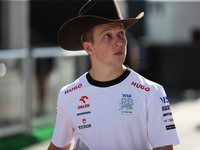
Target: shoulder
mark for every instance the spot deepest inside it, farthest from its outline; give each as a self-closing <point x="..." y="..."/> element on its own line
<point x="150" y="90"/>
<point x="140" y="82"/>
<point x="74" y="86"/>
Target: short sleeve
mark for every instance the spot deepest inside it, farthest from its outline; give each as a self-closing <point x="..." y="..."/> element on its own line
<point x="160" y="123"/>
<point x="63" y="131"/>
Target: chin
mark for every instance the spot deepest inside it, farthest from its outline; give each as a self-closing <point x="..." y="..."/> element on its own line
<point x="118" y="64"/>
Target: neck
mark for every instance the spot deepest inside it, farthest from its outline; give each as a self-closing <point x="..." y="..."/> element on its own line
<point x="106" y="74"/>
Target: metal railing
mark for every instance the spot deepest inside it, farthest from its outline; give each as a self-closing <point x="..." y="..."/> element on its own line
<point x="26" y="59"/>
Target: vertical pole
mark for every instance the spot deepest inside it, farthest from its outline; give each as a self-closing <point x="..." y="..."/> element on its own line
<point x="15" y="30"/>
<point x="27" y="67"/>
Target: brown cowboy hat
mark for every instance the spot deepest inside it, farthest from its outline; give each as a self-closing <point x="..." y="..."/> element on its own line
<point x="93" y="13"/>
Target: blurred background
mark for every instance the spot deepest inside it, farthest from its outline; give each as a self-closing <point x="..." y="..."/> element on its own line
<point x="164" y="47"/>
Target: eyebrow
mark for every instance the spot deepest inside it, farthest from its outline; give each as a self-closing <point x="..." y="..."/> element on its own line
<point x="105" y="31"/>
<point x="120" y="27"/>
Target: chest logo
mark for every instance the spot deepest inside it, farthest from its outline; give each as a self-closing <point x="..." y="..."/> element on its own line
<point x="85" y="126"/>
<point x="84" y="121"/>
<point x="82" y="99"/>
<point x="126" y="104"/>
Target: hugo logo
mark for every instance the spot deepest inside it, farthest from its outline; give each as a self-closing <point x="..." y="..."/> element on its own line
<point x="74" y="88"/>
<point x="147" y="89"/>
<point x="83" y="98"/>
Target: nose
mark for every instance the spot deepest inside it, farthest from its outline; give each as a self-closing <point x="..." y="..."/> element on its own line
<point x="118" y="42"/>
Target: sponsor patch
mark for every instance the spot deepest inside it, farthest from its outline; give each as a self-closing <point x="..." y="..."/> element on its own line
<point x="167" y="114"/>
<point x="169" y="127"/>
<point x="74" y="88"/>
<point x="126" y="104"/>
<point x="84" y="106"/>
<point x="140" y="86"/>
<point x="164" y="108"/>
<point x="169" y="120"/>
<point x="126" y="112"/>
<point x="84" y="113"/>
<point x="82" y="99"/>
<point x="164" y="99"/>
<point x="85" y="125"/>
<point x="84" y="121"/>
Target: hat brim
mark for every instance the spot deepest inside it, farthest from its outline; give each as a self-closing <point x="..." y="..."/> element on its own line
<point x="69" y="35"/>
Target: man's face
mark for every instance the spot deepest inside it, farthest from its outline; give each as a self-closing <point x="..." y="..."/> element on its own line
<point x="109" y="47"/>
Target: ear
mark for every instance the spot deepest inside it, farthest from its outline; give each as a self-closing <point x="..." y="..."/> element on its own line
<point x="88" y="47"/>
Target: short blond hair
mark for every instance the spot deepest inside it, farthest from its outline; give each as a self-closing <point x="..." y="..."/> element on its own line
<point x="88" y="36"/>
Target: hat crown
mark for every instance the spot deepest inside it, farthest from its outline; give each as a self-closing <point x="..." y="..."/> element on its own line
<point x="103" y="8"/>
<point x="93" y="13"/>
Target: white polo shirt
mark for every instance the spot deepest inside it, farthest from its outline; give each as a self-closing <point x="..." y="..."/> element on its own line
<point x="128" y="113"/>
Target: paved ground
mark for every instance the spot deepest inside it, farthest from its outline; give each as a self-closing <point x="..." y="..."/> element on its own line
<point x="187" y="118"/>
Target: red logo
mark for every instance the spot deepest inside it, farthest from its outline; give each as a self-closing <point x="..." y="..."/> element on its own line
<point x="84" y="121"/>
<point x="74" y="88"/>
<point x="140" y="86"/>
<point x="84" y="106"/>
<point x="82" y="98"/>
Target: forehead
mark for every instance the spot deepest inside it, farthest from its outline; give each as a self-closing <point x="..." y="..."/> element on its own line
<point x="109" y="26"/>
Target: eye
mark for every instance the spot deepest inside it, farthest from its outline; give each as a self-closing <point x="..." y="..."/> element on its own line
<point x="121" y="33"/>
<point x="107" y="36"/>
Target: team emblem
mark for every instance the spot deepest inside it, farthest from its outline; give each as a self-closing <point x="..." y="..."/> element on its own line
<point x="126" y="104"/>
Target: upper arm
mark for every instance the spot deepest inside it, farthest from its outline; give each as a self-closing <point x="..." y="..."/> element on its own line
<point x="53" y="147"/>
<point x="63" y="131"/>
<point x="160" y="124"/>
<point x="169" y="147"/>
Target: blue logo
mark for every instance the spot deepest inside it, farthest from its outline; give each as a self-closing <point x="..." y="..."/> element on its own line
<point x="164" y="99"/>
<point x="126" y="95"/>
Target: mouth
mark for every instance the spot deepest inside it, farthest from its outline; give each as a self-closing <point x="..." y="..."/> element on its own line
<point x="119" y="53"/>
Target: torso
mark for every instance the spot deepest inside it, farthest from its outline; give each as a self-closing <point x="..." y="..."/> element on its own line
<point x="110" y="112"/>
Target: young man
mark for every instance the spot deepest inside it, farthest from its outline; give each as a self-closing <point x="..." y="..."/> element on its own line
<point x="111" y="106"/>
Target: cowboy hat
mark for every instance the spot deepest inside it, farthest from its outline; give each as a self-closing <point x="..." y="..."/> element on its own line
<point x="93" y="13"/>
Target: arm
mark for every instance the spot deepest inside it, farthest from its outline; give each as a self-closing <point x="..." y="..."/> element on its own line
<point x="63" y="131"/>
<point x="160" y="124"/>
<point x="53" y="147"/>
<point x="170" y="147"/>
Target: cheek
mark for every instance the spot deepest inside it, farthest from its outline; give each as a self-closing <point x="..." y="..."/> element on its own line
<point x="124" y="41"/>
<point x="103" y="52"/>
